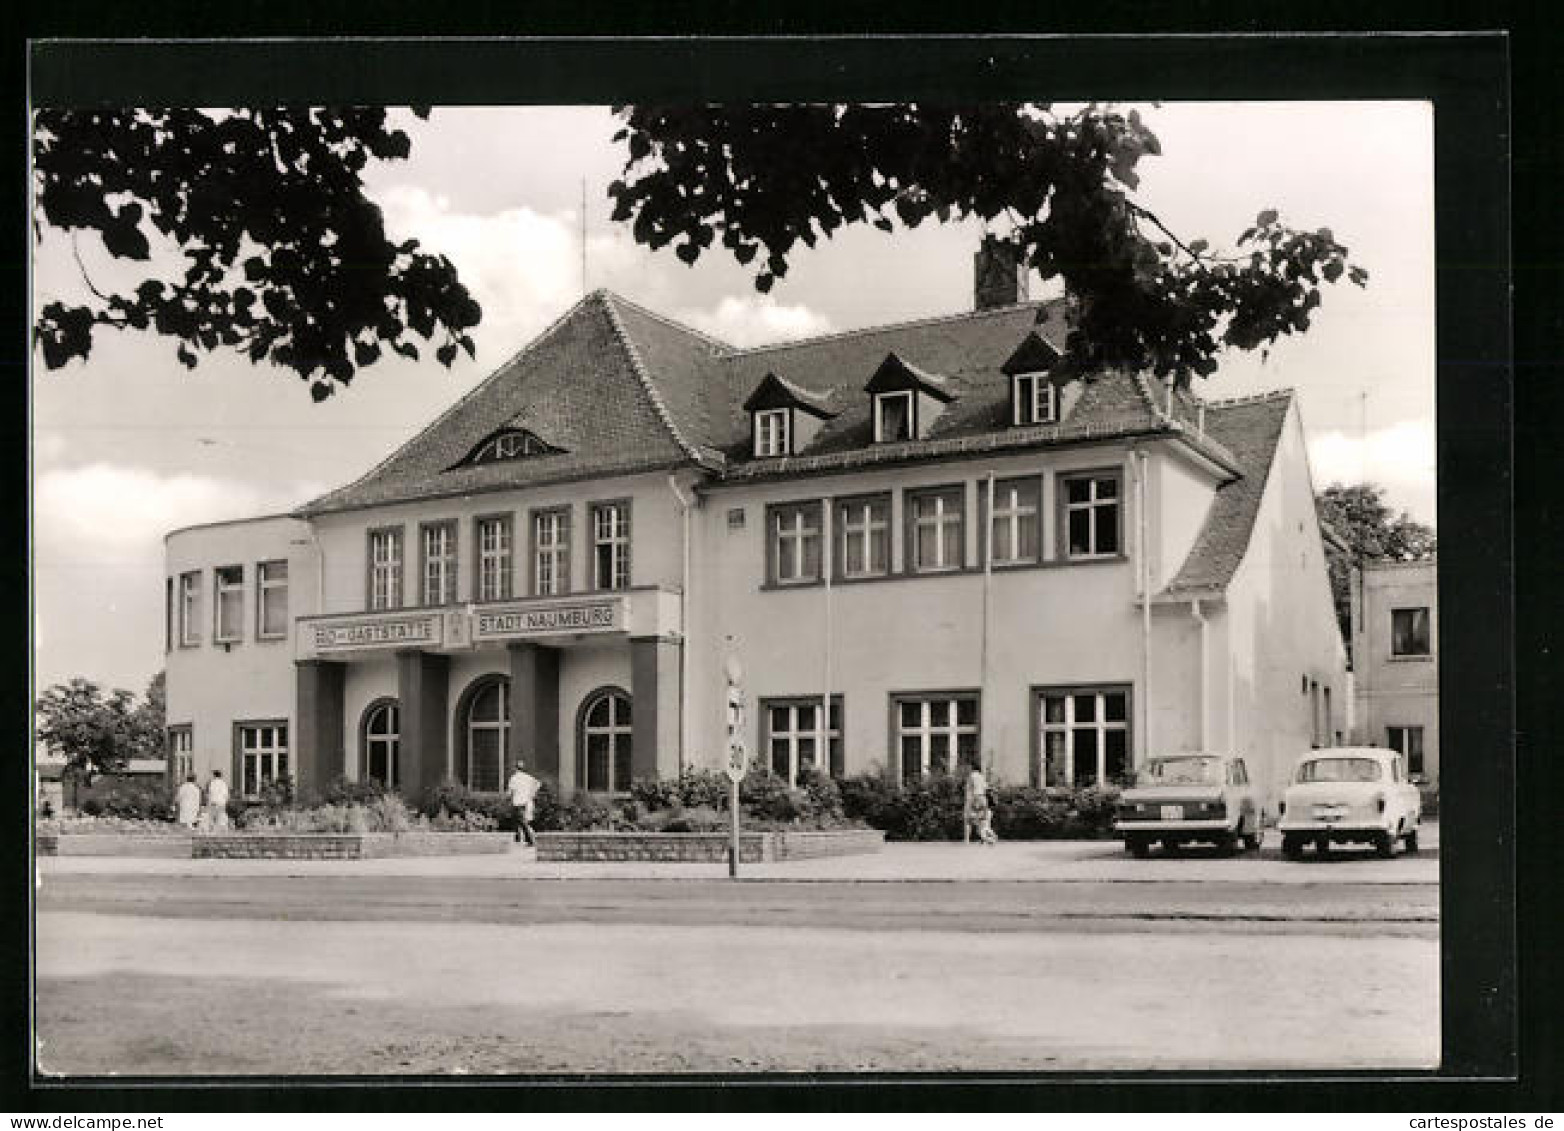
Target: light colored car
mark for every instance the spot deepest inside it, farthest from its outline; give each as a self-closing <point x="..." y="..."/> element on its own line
<point x="1350" y="795"/>
<point x="1180" y="799"/>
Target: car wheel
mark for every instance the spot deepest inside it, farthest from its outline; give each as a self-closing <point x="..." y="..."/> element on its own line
<point x="1173" y="848"/>
<point x="1409" y="842"/>
<point x="1385" y="845"/>
<point x="1292" y="847"/>
<point x="1322" y="846"/>
<point x="1252" y="842"/>
<point x="1227" y="844"/>
<point x="1138" y="847"/>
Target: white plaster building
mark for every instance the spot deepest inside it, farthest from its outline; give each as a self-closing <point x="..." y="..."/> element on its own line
<point x="929" y="524"/>
<point x="1395" y="648"/>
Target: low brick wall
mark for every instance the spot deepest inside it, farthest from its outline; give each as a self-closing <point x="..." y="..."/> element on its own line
<point x="344" y="846"/>
<point x="108" y="844"/>
<point x="705" y="848"/>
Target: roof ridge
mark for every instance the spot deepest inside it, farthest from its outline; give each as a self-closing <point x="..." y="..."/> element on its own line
<point x="305" y="508"/>
<point x="1283" y="393"/>
<point x="932" y="320"/>
<point x="638" y="366"/>
<point x="672" y="323"/>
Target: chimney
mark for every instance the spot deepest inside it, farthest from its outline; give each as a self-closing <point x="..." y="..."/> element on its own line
<point x="999" y="278"/>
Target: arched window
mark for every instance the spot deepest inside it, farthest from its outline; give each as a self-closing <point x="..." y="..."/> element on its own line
<point x="381" y="743"/>
<point x="606" y="741"/>
<point x="482" y="736"/>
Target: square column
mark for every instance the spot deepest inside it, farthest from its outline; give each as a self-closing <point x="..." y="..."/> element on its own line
<point x="423" y="688"/>
<point x="319" y="756"/>
<point x="534" y="711"/>
<point x="654" y="685"/>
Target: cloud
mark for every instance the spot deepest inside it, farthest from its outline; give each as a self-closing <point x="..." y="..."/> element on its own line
<point x="1400" y="458"/>
<point x="753" y="321"/>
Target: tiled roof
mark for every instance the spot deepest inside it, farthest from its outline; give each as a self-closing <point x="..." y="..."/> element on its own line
<point x="1250" y="428"/>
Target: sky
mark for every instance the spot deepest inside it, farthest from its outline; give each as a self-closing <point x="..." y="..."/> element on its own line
<point x="130" y="444"/>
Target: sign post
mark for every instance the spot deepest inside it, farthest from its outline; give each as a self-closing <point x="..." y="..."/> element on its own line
<point x="738" y="755"/>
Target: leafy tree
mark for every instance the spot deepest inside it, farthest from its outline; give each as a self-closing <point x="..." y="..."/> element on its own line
<point x="1371" y="530"/>
<point x="98" y="733"/>
<point x="152" y="713"/>
<point x="764" y="179"/>
<point x="284" y="258"/>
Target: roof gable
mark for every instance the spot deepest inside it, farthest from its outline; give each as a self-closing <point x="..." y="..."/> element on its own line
<point x="776" y="392"/>
<point x="1035" y="354"/>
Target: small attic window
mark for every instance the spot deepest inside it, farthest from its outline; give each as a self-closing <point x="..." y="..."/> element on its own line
<point x="772" y="433"/>
<point x="893" y="417"/>
<point x="1036" y="399"/>
<point x="512" y="443"/>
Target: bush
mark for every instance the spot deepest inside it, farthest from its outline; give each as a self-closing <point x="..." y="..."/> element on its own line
<point x="866" y="797"/>
<point x="701" y="788"/>
<point x="341" y="791"/>
<point x="931" y="808"/>
<point x="453" y="799"/>
<point x="700" y="819"/>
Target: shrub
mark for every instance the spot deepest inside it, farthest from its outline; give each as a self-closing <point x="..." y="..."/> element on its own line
<point x="454" y="799"/>
<point x="765" y="796"/>
<point x="341" y="791"/>
<point x="825" y="796"/>
<point x="866" y="797"/>
<point x="653" y="795"/>
<point x="1024" y="812"/>
<point x="471" y="821"/>
<point x="702" y="788"/>
<point x="545" y="809"/>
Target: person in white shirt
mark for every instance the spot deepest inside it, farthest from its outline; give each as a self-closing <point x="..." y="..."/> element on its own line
<point x="523" y="789"/>
<point x="187" y="803"/>
<point x="217" y="800"/>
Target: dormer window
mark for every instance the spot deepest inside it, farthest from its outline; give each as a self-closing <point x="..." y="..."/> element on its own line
<point x="893" y="417"/>
<point x="1036" y="399"/>
<point x="508" y="444"/>
<point x="773" y="433"/>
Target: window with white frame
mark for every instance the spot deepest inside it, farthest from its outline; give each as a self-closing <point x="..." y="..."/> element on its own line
<point x="863" y="536"/>
<point x="271" y="599"/>
<point x="550" y="552"/>
<point x="189" y="609"/>
<point x="1409" y="634"/>
<point x="228" y="604"/>
<point x="794" y="547"/>
<point x="168" y="614"/>
<point x="385" y="568"/>
<point x="1083" y="734"/>
<point x="607" y="742"/>
<point x="1016" y="520"/>
<point x="936" y="536"/>
<point x="793" y="736"/>
<point x="936" y="734"/>
<point x="383" y="743"/>
<point x="1036" y="399"/>
<point x="1091" y="514"/>
<point x="485" y="736"/>
<point x="611" y="545"/>
<point x="181" y="752"/>
<point x="495" y="562"/>
<point x="772" y="432"/>
<point x="893" y="416"/>
<point x="1408" y="742"/>
<point x="263" y="756"/>
<point x="439" y="563"/>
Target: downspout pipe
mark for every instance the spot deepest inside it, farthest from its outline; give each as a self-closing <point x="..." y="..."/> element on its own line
<point x="1143" y="547"/>
<point x="686" y="504"/>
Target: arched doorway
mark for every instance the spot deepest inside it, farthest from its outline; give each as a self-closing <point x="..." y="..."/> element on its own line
<point x="483" y="734"/>
<point x="605" y="741"/>
<point x="380" y="743"/>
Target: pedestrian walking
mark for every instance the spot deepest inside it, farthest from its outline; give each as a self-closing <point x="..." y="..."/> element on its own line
<point x="217" y="800"/>
<point x="187" y="802"/>
<point x="523" y="789"/>
<point x="975" y="814"/>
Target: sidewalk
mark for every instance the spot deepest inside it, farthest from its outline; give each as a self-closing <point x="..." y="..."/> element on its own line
<point x="1029" y="861"/>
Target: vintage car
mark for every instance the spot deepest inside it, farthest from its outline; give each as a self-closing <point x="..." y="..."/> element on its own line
<point x="1179" y="799"/>
<point x="1350" y="795"/>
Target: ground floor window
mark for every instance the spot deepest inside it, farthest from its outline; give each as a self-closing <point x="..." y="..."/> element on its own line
<point x="382" y="743"/>
<point x="483" y="735"/>
<point x="181" y="753"/>
<point x="792" y="738"/>
<point x="1408" y="742"/>
<point x="935" y="734"/>
<point x="607" y="741"/>
<point x="1083" y="734"/>
<point x="263" y="756"/>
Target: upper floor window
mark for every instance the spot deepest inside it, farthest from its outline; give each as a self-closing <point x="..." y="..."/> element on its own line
<point x="1091" y="514"/>
<point x="512" y="443"/>
<point x="439" y="563"/>
<point x="611" y="545"/>
<point x="189" y="609"/>
<point x="1036" y="399"/>
<point x="493" y="536"/>
<point x="794" y="544"/>
<point x="551" y="552"/>
<point x="385" y="568"/>
<point x="1409" y="634"/>
<point x="893" y="416"/>
<point x="271" y="597"/>
<point x="1016" y="520"/>
<point x="936" y="533"/>
<point x="228" y="586"/>
<point x="772" y="430"/>
<point x="863" y="536"/>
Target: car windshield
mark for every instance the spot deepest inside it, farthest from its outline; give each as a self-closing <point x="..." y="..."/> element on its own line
<point x="1340" y="769"/>
<point x="1181" y="771"/>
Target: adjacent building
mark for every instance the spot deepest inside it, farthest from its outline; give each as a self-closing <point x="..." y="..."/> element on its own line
<point x="1395" y="649"/>
<point x="925" y="545"/>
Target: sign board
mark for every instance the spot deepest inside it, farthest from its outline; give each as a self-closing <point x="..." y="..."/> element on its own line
<point x="526" y="621"/>
<point x="360" y="633"/>
<point x="738" y="753"/>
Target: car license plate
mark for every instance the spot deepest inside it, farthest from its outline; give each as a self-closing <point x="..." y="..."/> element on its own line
<point x="1172" y="812"/>
<point x="1330" y="812"/>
